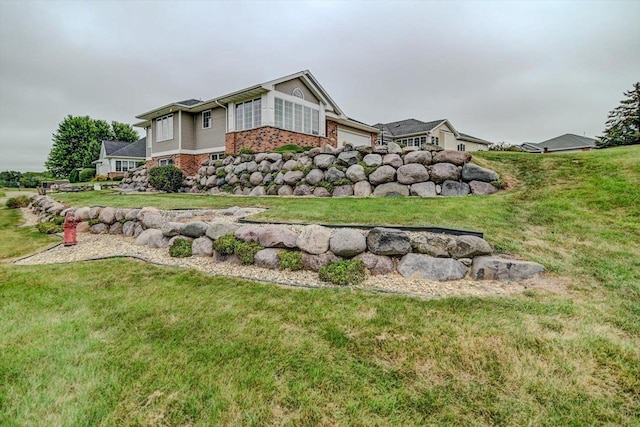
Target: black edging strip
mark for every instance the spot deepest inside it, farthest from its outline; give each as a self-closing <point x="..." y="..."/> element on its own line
<point x="452" y="231"/>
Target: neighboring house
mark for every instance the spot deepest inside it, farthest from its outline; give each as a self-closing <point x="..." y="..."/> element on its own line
<point x="414" y="133"/>
<point x="567" y="143"/>
<point x="294" y="109"/>
<point x="117" y="157"/>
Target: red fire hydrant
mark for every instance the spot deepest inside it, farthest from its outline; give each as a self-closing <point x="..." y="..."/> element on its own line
<point x="70" y="224"/>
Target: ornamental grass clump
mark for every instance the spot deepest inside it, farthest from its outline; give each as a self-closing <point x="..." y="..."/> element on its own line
<point x="17" y="202"/>
<point x="181" y="248"/>
<point x="290" y="260"/>
<point x="343" y="273"/>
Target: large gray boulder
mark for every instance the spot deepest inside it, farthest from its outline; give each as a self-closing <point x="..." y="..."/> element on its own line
<point x="376" y="264"/>
<point x="258" y="191"/>
<point x="412" y="173"/>
<point x="285" y="190"/>
<point x="314" y="262"/>
<point x="393" y="148"/>
<point x="128" y="228"/>
<point x="202" y="246"/>
<point x="349" y="158"/>
<point x="455" y="188"/>
<point x="314" y="177"/>
<point x="290" y="164"/>
<point x="430" y="268"/>
<point x="496" y="268"/>
<point x="391" y="189"/>
<point x="99" y="228"/>
<point x="458" y="158"/>
<point x="219" y="229"/>
<point x="248" y="233"/>
<point x="347" y="243"/>
<point x="480" y="188"/>
<point x="372" y="160"/>
<point x="323" y="161"/>
<point x="107" y="215"/>
<point x="441" y="172"/>
<point x="302" y="190"/>
<point x="194" y="229"/>
<point x="153" y="238"/>
<point x="469" y="247"/>
<point x="82" y="213"/>
<point x="343" y="191"/>
<point x="362" y="189"/>
<point x="423" y="189"/>
<point x="472" y="172"/>
<point x="321" y="192"/>
<point x="334" y="174"/>
<point x="433" y="244"/>
<point x="293" y="177"/>
<point x="94" y="212"/>
<point x="356" y="173"/>
<point x="256" y="178"/>
<point x="392" y="160"/>
<point x="388" y="241"/>
<point x="171" y="229"/>
<point x="314" y="239"/>
<point x="268" y="258"/>
<point x="277" y="236"/>
<point x="383" y="174"/>
<point x="421" y="157"/>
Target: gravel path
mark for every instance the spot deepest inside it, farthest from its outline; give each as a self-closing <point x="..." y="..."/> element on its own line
<point x="92" y="246"/>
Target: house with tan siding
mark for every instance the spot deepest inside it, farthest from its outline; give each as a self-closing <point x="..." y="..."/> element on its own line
<point x="294" y="109"/>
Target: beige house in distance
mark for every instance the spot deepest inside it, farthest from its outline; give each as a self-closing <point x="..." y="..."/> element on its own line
<point x="414" y="133"/>
<point x="294" y="109"/>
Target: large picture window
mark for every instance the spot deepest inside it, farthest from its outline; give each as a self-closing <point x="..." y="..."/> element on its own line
<point x="164" y="128"/>
<point x="296" y="117"/>
<point x="125" y="165"/>
<point x="249" y="114"/>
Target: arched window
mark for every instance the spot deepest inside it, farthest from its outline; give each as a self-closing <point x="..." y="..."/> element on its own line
<point x="298" y="93"/>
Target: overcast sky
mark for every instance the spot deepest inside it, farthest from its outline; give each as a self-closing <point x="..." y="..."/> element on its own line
<point x="501" y="71"/>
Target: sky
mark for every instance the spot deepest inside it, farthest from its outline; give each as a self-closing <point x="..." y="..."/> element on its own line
<point x="513" y="71"/>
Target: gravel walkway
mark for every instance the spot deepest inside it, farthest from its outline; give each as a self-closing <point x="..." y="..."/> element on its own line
<point x="92" y="246"/>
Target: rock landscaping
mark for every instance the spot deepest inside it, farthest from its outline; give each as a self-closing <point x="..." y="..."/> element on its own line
<point x="217" y="236"/>
<point x="329" y="172"/>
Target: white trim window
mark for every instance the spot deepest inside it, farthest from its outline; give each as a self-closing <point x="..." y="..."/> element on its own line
<point x="435" y="140"/>
<point x="164" y="128"/>
<point x="462" y="147"/>
<point x="296" y="117"/>
<point x="249" y="114"/>
<point x="297" y="92"/>
<point x="206" y="119"/>
<point x="165" y="162"/>
<point x="216" y="156"/>
<point x="125" y="165"/>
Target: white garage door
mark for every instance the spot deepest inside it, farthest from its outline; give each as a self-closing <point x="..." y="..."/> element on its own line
<point x="353" y="137"/>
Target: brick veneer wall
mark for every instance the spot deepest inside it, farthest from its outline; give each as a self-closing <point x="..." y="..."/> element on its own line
<point x="189" y="163"/>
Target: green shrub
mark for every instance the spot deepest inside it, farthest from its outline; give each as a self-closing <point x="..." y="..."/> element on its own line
<point x="246" y="151"/>
<point x="221" y="173"/>
<point x="290" y="260"/>
<point x="94" y="221"/>
<point x="100" y="178"/>
<point x="291" y="148"/>
<point x="181" y="248"/>
<point x="227" y="188"/>
<point x="304" y="169"/>
<point x="48" y="228"/>
<point x="343" y="181"/>
<point x="219" y="163"/>
<point x="140" y="163"/>
<point x="166" y="178"/>
<point x="500" y="185"/>
<point x="246" y="251"/>
<point x="225" y="245"/>
<point x="57" y="219"/>
<point x="326" y="185"/>
<point x="87" y="174"/>
<point x="368" y="170"/>
<point x="74" y="176"/>
<point x="343" y="273"/>
<point x="17" y="202"/>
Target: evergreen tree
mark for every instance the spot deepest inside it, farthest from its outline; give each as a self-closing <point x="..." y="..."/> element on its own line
<point x="623" y="124"/>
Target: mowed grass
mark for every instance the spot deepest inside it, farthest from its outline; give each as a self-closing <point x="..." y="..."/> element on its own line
<point x="120" y="342"/>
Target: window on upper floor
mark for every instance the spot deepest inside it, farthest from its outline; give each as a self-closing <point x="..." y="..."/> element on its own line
<point x="249" y="114"/>
<point x="461" y="147"/>
<point x="206" y="119"/>
<point x="296" y="117"/>
<point x="164" y="128"/>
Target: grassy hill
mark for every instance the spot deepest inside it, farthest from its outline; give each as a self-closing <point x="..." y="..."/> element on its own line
<point x="120" y="342"/>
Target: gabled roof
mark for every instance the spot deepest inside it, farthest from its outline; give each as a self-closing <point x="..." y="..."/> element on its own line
<point x="564" y="142"/>
<point x="407" y="127"/>
<point x="465" y="137"/>
<point x="189" y="102"/>
<point x="125" y="149"/>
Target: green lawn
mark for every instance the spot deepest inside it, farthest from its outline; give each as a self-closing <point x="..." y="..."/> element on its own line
<point x="120" y="342"/>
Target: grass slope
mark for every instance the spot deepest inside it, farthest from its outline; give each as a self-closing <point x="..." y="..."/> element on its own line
<point x="115" y="342"/>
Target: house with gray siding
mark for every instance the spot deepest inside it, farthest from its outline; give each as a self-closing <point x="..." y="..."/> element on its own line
<point x="117" y="157"/>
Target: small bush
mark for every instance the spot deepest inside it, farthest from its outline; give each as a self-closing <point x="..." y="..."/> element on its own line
<point x="246" y="151"/>
<point x="500" y="185"/>
<point x="100" y="178"/>
<point x="225" y="245"/>
<point x="343" y="181"/>
<point x="290" y="260"/>
<point x="57" y="219"/>
<point x="87" y="174"/>
<point x="246" y="251"/>
<point x="74" y="176"/>
<point x="343" y="273"/>
<point x="368" y="170"/>
<point x="291" y="148"/>
<point x="219" y="163"/>
<point x="166" y="178"/>
<point x="326" y="185"/>
<point x="17" y="202"/>
<point x="117" y="178"/>
<point x="227" y="188"/>
<point x="49" y="228"/>
<point x="140" y="163"/>
<point x="94" y="221"/>
<point x="181" y="248"/>
<point x="221" y="173"/>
